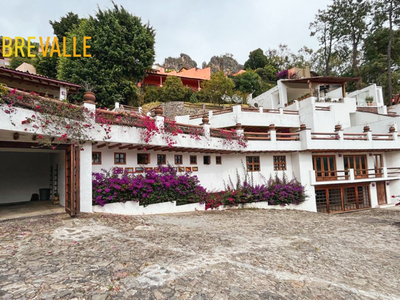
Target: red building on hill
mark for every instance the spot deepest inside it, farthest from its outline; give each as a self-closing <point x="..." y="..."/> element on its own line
<point x="191" y="78"/>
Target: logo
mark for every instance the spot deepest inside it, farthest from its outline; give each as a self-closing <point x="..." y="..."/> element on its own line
<point x="25" y="49"/>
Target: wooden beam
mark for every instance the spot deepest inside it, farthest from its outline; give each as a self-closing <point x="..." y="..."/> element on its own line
<point x="114" y="146"/>
<point x="30" y="145"/>
<point x="16" y="136"/>
<point x="126" y="146"/>
<point x="102" y="145"/>
<point x="134" y="147"/>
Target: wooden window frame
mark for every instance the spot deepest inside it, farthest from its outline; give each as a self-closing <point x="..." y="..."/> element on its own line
<point x="195" y="159"/>
<point x="208" y="158"/>
<point x="252" y="164"/>
<point x="218" y="160"/>
<point x="279" y="165"/>
<point x="164" y="156"/>
<point x="115" y="158"/>
<point x="148" y="158"/>
<point x="326" y="175"/>
<point x="100" y="158"/>
<point x="181" y="159"/>
<point x="358" y="173"/>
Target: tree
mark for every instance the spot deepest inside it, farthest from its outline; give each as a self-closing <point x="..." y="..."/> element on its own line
<point x="374" y="68"/>
<point x="268" y="73"/>
<point x="122" y="48"/>
<point x="173" y="90"/>
<point x="46" y="65"/>
<point x="325" y="28"/>
<point x="352" y="25"/>
<point x="257" y="59"/>
<point x="213" y="89"/>
<point x="388" y="11"/>
<point x="66" y="24"/>
<point x="152" y="94"/>
<point x="248" y="82"/>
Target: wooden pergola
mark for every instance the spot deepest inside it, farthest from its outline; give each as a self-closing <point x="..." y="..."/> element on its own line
<point x="325" y="80"/>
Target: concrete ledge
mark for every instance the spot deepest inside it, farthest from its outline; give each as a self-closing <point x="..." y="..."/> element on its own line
<point x="133" y="208"/>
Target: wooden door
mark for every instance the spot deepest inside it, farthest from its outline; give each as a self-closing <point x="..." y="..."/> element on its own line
<point x="381" y="192"/>
<point x="72" y="190"/>
<point x="325" y="167"/>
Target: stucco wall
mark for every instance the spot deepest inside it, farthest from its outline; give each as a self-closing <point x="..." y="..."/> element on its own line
<point x="211" y="176"/>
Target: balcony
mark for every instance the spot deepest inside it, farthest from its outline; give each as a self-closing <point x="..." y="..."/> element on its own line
<point x="354" y="176"/>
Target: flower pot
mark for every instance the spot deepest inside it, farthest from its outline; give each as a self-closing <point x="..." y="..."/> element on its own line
<point x="366" y="128"/>
<point x="205" y="120"/>
<point x="158" y="111"/>
<point x="272" y="127"/>
<point x="303" y="127"/>
<point x="89" y="97"/>
<point x="392" y="129"/>
<point x="338" y="127"/>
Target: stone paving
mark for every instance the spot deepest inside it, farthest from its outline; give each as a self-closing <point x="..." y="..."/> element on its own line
<point x="235" y="254"/>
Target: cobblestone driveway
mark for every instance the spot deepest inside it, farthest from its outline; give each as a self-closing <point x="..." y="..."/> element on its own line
<point x="239" y="254"/>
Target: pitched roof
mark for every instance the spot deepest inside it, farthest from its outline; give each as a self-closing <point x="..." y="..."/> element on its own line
<point x="44" y="79"/>
<point x="204" y="74"/>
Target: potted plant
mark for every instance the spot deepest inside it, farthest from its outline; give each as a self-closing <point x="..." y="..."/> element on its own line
<point x="56" y="198"/>
<point x="329" y="99"/>
<point x="369" y="100"/>
<point x="89" y="96"/>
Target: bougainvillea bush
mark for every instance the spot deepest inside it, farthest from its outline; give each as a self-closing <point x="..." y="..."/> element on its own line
<point x="275" y="191"/>
<point x="153" y="186"/>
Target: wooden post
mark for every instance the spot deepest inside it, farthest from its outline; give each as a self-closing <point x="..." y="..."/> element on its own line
<point x="311" y="88"/>
<point x="343" y="89"/>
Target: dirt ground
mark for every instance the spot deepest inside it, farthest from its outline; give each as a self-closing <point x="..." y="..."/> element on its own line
<point x="234" y="254"/>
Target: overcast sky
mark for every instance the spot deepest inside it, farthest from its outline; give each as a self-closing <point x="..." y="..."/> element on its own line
<point x="199" y="28"/>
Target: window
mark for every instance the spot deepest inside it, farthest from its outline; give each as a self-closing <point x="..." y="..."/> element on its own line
<point x="96" y="158"/>
<point x="161" y="159"/>
<point x="253" y="163"/>
<point x="143" y="158"/>
<point x="206" y="159"/>
<point x="193" y="159"/>
<point x="119" y="158"/>
<point x="358" y="163"/>
<point x="218" y="160"/>
<point x="280" y="163"/>
<point x="325" y="167"/>
<point x="178" y="159"/>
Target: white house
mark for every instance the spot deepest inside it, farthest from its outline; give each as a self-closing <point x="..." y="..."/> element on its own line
<point x="345" y="152"/>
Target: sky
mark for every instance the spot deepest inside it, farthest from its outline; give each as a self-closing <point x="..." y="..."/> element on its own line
<point x="199" y="28"/>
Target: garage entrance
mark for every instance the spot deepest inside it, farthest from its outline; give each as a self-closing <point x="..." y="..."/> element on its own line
<point x="340" y="198"/>
<point x="32" y="178"/>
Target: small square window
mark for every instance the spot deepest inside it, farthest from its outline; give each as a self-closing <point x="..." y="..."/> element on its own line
<point x="96" y="158"/>
<point x="143" y="158"/>
<point x="161" y="159"/>
<point x="206" y="159"/>
<point x="120" y="158"/>
<point x="218" y="160"/>
<point x="280" y="163"/>
<point x="253" y="163"/>
<point x="193" y="159"/>
<point x="178" y="159"/>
